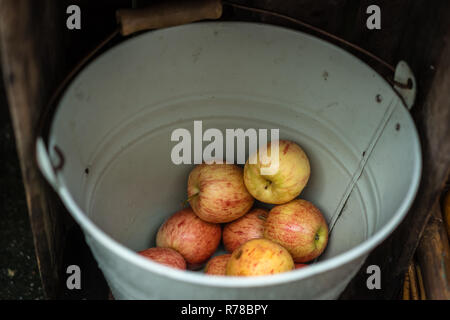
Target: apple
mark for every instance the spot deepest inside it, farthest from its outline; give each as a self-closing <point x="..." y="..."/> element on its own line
<point x="217" y="194"/>
<point x="300" y="227"/>
<point x="300" y="265"/>
<point x="250" y="226"/>
<point x="259" y="257"/>
<point x="217" y="265"/>
<point x="166" y="256"/>
<point x="284" y="184"/>
<point x="196" y="240"/>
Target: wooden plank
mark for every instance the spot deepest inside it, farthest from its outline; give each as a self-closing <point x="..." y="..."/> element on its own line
<point x="28" y="85"/>
<point x="328" y="15"/>
<point x="394" y="21"/>
<point x="343" y="18"/>
<point x="433" y="255"/>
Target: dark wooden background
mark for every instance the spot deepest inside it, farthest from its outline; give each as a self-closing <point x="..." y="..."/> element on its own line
<point x="38" y="50"/>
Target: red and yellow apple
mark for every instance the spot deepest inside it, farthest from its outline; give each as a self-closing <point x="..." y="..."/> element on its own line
<point x="259" y="257"/>
<point x="250" y="226"/>
<point x="196" y="240"/>
<point x="217" y="194"/>
<point x="300" y="227"/>
<point x="281" y="185"/>
<point x="217" y="265"/>
<point x="165" y="256"/>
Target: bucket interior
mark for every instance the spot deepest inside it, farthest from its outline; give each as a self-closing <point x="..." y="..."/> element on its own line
<point x="115" y="121"/>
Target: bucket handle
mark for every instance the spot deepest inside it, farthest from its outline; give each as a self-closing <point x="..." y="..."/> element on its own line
<point x="167" y="14"/>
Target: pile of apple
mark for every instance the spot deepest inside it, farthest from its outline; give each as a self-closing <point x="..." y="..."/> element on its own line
<point x="259" y="242"/>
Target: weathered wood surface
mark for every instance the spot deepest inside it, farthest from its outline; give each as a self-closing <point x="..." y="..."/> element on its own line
<point x="344" y="18"/>
<point x="433" y="255"/>
<point x="24" y="54"/>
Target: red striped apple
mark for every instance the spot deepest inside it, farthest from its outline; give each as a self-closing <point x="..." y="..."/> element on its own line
<point x="196" y="240"/>
<point x="217" y="265"/>
<point x="259" y="257"/>
<point x="250" y="226"/>
<point x="217" y="193"/>
<point x="300" y="227"/>
<point x="282" y="185"/>
<point x="165" y="256"/>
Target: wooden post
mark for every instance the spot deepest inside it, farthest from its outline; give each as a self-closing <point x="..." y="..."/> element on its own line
<point x="29" y="58"/>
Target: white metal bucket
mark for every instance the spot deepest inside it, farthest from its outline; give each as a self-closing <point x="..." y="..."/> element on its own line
<point x="116" y="119"/>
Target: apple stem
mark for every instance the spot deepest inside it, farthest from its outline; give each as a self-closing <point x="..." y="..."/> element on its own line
<point x="185" y="202"/>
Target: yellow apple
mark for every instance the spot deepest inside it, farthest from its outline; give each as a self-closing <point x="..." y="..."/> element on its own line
<point x="259" y="257"/>
<point x="282" y="185"/>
